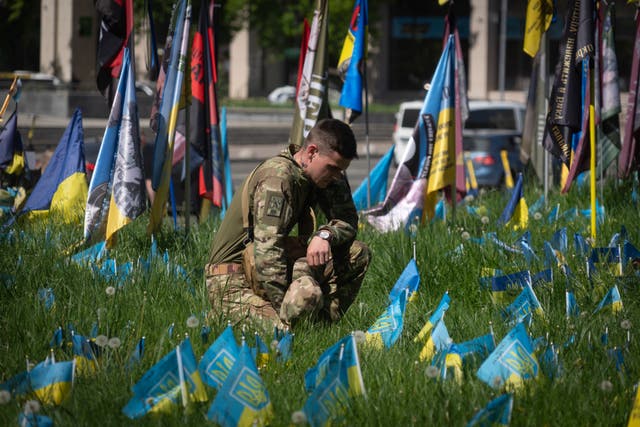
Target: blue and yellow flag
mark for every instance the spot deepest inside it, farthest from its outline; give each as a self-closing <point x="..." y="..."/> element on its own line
<point x="11" y="149"/>
<point x="168" y="113"/>
<point x="243" y="399"/>
<point x="62" y="188"/>
<point x="524" y="306"/>
<point x="218" y="360"/>
<point x="170" y="382"/>
<point x="345" y="353"/>
<point x="502" y="285"/>
<point x="117" y="192"/>
<point x="496" y="413"/>
<point x="51" y="382"/>
<point x="516" y="213"/>
<point x="378" y="188"/>
<point x="572" y="308"/>
<point x="439" y="340"/>
<point x="442" y="307"/>
<point x="447" y="361"/>
<point x="409" y="280"/>
<point x="342" y="379"/>
<point x="34" y="420"/>
<point x="386" y="330"/>
<point x="611" y="300"/>
<point x="480" y="346"/>
<point x="85" y="353"/>
<point x="284" y="346"/>
<point x="512" y="362"/>
<point x="352" y="61"/>
<point x="260" y="352"/>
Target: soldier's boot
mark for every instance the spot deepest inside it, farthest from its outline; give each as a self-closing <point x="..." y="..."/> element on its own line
<point x="302" y="299"/>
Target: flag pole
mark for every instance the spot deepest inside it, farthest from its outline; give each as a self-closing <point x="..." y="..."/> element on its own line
<point x="366" y="130"/>
<point x="12" y="90"/>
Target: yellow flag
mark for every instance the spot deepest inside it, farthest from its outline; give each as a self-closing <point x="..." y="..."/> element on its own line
<point x="539" y="14"/>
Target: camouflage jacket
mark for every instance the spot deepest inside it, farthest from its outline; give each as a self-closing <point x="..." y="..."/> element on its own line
<point x="279" y="198"/>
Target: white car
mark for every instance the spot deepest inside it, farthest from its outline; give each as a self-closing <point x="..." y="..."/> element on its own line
<point x="483" y="116"/>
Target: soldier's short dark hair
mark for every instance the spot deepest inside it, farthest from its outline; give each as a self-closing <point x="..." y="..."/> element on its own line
<point x="334" y="135"/>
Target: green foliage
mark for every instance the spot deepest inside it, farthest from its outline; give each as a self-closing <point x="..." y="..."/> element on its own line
<point x="589" y="392"/>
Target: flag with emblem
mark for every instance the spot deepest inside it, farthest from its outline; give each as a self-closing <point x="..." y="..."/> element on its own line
<point x="512" y="362"/>
<point x="174" y="380"/>
<point x="386" y="330"/>
<point x="217" y="361"/>
<point x="243" y="399"/>
<point x="409" y="280"/>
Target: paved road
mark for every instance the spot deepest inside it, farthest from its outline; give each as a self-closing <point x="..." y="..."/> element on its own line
<point x="252" y="137"/>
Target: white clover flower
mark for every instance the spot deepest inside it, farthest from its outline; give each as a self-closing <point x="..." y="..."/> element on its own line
<point x="192" y="322"/>
<point x="465" y="235"/>
<point x="5" y="397"/>
<point x="102" y="341"/>
<point x="626" y="324"/>
<point x="606" y="386"/>
<point x="432" y="372"/>
<point x="537" y="216"/>
<point x="359" y="336"/>
<point x="469" y="198"/>
<point x="298" y="417"/>
<point x="114" y="342"/>
<point x="111" y="291"/>
<point x="31" y="407"/>
<point x="484" y="220"/>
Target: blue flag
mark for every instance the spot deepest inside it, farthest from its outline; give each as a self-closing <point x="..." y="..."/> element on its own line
<point x="386" y="330"/>
<point x="243" y="399"/>
<point x="11" y="150"/>
<point x="480" y="346"/>
<point x="62" y="188"/>
<point x="117" y="193"/>
<point x="352" y="58"/>
<point x="435" y="317"/>
<point x="611" y="300"/>
<point x="378" y="188"/>
<point x="345" y="351"/>
<point x="496" y="413"/>
<point x="34" y="420"/>
<point x="172" y="380"/>
<point x="516" y="213"/>
<point x="260" y="352"/>
<point x="136" y="354"/>
<point x="91" y="255"/>
<point x="284" y="346"/>
<point x="409" y="280"/>
<point x="341" y="380"/>
<point x="218" y="360"/>
<point x="571" y="304"/>
<point x="51" y="382"/>
<point x="524" y="306"/>
<point x="509" y="282"/>
<point x="439" y="340"/>
<point x="511" y="362"/>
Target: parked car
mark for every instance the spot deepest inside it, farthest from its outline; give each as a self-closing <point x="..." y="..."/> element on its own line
<point x="492" y="126"/>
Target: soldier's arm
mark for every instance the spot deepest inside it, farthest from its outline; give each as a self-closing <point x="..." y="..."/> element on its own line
<point x="272" y="215"/>
<point x="337" y="204"/>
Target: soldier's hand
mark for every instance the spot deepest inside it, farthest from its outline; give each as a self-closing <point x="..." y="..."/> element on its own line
<point x="318" y="252"/>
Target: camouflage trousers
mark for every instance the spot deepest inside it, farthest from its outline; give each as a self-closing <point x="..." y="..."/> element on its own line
<point x="318" y="293"/>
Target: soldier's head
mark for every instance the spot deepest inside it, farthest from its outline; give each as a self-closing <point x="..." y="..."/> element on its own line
<point x="327" y="151"/>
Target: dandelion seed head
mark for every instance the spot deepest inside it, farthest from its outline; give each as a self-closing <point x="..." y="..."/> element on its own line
<point x="469" y="198"/>
<point x="537" y="216"/>
<point x="606" y="386"/>
<point x="413" y="228"/>
<point x="114" y="343"/>
<point x="31" y="407"/>
<point x="274" y="345"/>
<point x="110" y="291"/>
<point x="102" y="340"/>
<point x="626" y="324"/>
<point x="298" y="417"/>
<point x="484" y="220"/>
<point x="431" y="372"/>
<point x="5" y="397"/>
<point x="465" y="235"/>
<point x="359" y="336"/>
<point x="192" y="322"/>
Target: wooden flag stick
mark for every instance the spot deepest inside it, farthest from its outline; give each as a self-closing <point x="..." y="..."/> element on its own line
<point x="12" y="90"/>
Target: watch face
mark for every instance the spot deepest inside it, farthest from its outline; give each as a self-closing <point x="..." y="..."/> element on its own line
<point x="324" y="234"/>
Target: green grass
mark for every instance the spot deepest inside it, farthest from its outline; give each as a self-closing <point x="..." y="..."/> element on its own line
<point x="399" y="392"/>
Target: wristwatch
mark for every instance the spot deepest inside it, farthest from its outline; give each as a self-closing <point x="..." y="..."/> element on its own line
<point x="324" y="234"/>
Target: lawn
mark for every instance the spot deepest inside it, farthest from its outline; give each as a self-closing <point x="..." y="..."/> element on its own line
<point x="586" y="387"/>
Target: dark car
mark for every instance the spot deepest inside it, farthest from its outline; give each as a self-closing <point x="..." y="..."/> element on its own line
<point x="493" y="127"/>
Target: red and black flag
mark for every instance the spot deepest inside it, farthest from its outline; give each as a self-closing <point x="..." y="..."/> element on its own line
<point x="115" y="30"/>
<point x="204" y="127"/>
<point x="566" y="101"/>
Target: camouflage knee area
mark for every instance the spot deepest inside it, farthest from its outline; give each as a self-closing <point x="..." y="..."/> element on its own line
<point x="304" y="297"/>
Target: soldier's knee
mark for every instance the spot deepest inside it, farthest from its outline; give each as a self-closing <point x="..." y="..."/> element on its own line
<point x="360" y="254"/>
<point x="304" y="296"/>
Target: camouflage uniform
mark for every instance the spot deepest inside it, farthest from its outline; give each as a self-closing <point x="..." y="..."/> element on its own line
<point x="280" y="286"/>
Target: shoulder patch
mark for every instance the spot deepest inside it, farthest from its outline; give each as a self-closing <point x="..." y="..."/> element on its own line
<point x="274" y="204"/>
